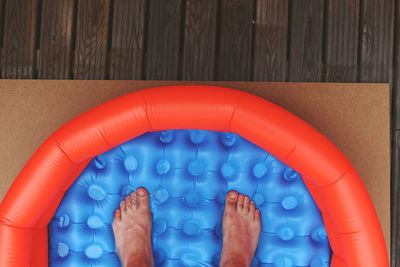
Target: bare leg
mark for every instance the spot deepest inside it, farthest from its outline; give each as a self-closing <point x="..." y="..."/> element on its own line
<point x="132" y="230"/>
<point x="241" y="229"/>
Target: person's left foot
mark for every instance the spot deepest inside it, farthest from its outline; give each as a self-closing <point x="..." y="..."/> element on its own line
<point x="132" y="230"/>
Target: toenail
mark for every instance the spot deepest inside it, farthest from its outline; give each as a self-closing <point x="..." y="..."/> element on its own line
<point x="232" y="195"/>
<point x="141" y="192"/>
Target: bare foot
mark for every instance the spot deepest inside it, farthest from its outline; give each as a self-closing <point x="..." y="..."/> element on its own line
<point x="132" y="230"/>
<point x="241" y="229"/>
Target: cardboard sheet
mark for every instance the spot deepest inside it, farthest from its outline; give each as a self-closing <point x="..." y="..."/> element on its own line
<point x="356" y="117"/>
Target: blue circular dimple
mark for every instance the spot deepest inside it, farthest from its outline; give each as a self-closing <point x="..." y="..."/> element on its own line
<point x="99" y="162"/>
<point x="191" y="227"/>
<point x="229" y="139"/>
<point x="289" y="203"/>
<point x="319" y="234"/>
<point x="166" y="136"/>
<point x="94" y="252"/>
<point x="197" y="136"/>
<point x="95" y="222"/>
<point x="63" y="221"/>
<point x="130" y="163"/>
<point x="228" y="170"/>
<point x="283" y="262"/>
<point x="258" y="199"/>
<point x="96" y="192"/>
<point x="195" y="168"/>
<point x="193" y="198"/>
<point x="161" y="195"/>
<point x="286" y="233"/>
<point x="290" y="175"/>
<point x="62" y="249"/>
<point x="163" y="166"/>
<point x="159" y="226"/>
<point x="260" y="169"/>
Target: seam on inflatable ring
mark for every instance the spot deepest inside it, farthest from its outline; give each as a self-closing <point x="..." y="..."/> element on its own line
<point x="18" y="227"/>
<point x="292" y="150"/>
<point x="349" y="233"/>
<point x="233" y="114"/>
<point x="146" y="109"/>
<point x="339" y="177"/>
<point x="105" y="139"/>
<point x="62" y="150"/>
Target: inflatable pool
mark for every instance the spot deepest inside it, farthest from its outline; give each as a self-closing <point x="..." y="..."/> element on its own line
<point x="59" y="209"/>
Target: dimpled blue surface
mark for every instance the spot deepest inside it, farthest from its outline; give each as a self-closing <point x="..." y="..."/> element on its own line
<point x="188" y="173"/>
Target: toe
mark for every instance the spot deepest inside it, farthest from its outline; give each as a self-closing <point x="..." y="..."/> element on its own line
<point x="252" y="208"/>
<point x="257" y="215"/>
<point x="231" y="199"/>
<point x="117" y="215"/>
<point x="240" y="202"/>
<point x="134" y="199"/>
<point x="246" y="203"/>
<point x="122" y="206"/>
<point x="143" y="197"/>
<point x="128" y="202"/>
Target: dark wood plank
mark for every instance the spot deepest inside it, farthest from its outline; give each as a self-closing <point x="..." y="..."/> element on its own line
<point x="306" y="40"/>
<point x="2" y="6"/>
<point x="19" y="52"/>
<point x="376" y="40"/>
<point x="162" y="55"/>
<point x="342" y="41"/>
<point x="55" y="53"/>
<point x="199" y="44"/>
<point x="91" y="39"/>
<point x="270" y="47"/>
<point x="395" y="200"/>
<point x="127" y="40"/>
<point x="236" y="34"/>
<point x="396" y="71"/>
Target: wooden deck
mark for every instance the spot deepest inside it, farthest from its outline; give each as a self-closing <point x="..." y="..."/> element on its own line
<point x="260" y="40"/>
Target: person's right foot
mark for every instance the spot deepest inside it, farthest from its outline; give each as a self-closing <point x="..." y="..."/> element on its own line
<point x="241" y="229"/>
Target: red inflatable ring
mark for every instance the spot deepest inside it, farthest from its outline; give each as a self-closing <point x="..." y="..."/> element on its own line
<point x="350" y="219"/>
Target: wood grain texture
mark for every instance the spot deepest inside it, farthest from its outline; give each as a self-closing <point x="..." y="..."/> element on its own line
<point x="55" y="53"/>
<point x="127" y="40"/>
<point x="306" y="40"/>
<point x="200" y="40"/>
<point x="91" y="39"/>
<point x="163" y="41"/>
<point x="19" y="53"/>
<point x="236" y="34"/>
<point x="376" y="40"/>
<point x="270" y="42"/>
<point x="342" y="41"/>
